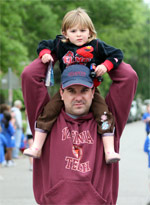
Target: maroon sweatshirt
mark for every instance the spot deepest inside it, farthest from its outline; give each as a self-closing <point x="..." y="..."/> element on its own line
<point x="72" y="168"/>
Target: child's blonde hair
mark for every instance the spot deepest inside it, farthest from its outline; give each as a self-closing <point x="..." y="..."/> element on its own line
<point x="81" y="18"/>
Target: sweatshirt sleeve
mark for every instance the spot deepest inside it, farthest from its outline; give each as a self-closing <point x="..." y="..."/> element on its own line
<point x="34" y="90"/>
<point x="121" y="93"/>
<point x="47" y="46"/>
<point x="112" y="56"/>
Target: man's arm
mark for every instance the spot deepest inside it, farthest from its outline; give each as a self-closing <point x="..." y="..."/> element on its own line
<point x="121" y="94"/>
<point x="34" y="91"/>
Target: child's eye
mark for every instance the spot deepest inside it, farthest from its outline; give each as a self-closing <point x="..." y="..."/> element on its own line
<point x="73" y="31"/>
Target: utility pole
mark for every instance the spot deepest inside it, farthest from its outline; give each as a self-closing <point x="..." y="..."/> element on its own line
<point x="10" y="92"/>
<point x="10" y="82"/>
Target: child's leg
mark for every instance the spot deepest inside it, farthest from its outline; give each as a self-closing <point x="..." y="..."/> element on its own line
<point x="105" y="126"/>
<point x="110" y="155"/>
<point x="45" y="122"/>
<point x="50" y="113"/>
<point x="35" y="150"/>
<point x="104" y="118"/>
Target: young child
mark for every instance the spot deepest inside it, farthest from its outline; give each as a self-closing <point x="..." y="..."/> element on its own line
<point x="3" y="143"/>
<point x="78" y="45"/>
<point x="8" y="131"/>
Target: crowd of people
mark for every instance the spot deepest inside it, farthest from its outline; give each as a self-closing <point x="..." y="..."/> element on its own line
<point x="13" y="139"/>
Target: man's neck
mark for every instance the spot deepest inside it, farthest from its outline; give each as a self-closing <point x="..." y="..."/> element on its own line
<point x="72" y="116"/>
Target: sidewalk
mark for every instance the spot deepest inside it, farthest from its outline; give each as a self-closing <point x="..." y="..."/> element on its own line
<point x="134" y="185"/>
<point x="16" y="184"/>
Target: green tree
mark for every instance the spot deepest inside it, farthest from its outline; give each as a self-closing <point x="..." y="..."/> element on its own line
<point x="123" y="24"/>
<point x="13" y="52"/>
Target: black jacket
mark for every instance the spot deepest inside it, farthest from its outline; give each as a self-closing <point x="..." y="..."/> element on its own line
<point x="95" y="51"/>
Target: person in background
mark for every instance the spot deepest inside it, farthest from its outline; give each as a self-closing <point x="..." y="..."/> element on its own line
<point x="3" y="143"/>
<point x="18" y="124"/>
<point x="8" y="131"/>
<point x="146" y="119"/>
<point x="30" y="143"/>
<point x="23" y="141"/>
<point x="3" y="107"/>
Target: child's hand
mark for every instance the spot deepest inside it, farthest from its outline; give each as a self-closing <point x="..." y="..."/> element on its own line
<point x="46" y="58"/>
<point x="100" y="70"/>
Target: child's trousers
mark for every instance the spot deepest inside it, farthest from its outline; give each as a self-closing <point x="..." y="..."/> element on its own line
<point x="99" y="108"/>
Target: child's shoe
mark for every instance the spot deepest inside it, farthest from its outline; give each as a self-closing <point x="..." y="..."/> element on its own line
<point x="32" y="152"/>
<point x="112" y="157"/>
<point x="4" y="163"/>
<point x="10" y="163"/>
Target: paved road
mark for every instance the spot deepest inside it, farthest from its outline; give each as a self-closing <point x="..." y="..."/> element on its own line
<point x="133" y="167"/>
<point x="16" y="187"/>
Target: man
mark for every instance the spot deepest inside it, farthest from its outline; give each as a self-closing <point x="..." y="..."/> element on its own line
<point x="18" y="126"/>
<point x="72" y="168"/>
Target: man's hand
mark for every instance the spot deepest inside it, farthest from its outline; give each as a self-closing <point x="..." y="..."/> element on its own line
<point x="100" y="70"/>
<point x="47" y="58"/>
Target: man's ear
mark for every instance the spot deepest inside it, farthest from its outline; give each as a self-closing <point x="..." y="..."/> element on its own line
<point x="93" y="91"/>
<point x="61" y="93"/>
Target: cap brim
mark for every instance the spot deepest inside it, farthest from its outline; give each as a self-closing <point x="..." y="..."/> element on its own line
<point x="86" y="84"/>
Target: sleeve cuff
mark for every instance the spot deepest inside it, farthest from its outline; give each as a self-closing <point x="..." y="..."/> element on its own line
<point x="109" y="133"/>
<point x="108" y="64"/>
<point x="38" y="129"/>
<point x="44" y="51"/>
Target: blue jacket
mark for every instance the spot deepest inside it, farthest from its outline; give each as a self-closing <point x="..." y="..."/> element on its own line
<point x="3" y="143"/>
<point x="144" y="117"/>
<point x="8" y="133"/>
<point x="147" y="148"/>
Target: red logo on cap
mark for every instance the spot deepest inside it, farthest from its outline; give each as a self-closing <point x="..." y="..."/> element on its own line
<point x="77" y="73"/>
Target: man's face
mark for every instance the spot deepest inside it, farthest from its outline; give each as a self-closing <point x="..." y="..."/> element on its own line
<point x="77" y="99"/>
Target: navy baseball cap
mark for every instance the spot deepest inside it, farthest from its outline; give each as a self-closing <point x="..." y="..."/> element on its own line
<point x="76" y="75"/>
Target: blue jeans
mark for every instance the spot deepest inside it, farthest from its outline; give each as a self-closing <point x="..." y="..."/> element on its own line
<point x="16" y="149"/>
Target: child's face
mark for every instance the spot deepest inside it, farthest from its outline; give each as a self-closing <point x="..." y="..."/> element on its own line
<point x="77" y="35"/>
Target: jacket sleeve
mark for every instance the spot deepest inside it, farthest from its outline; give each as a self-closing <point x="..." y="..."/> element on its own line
<point x="11" y="129"/>
<point x="3" y="138"/>
<point x="50" y="45"/>
<point x="34" y="91"/>
<point x="112" y="56"/>
<point x="121" y="94"/>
